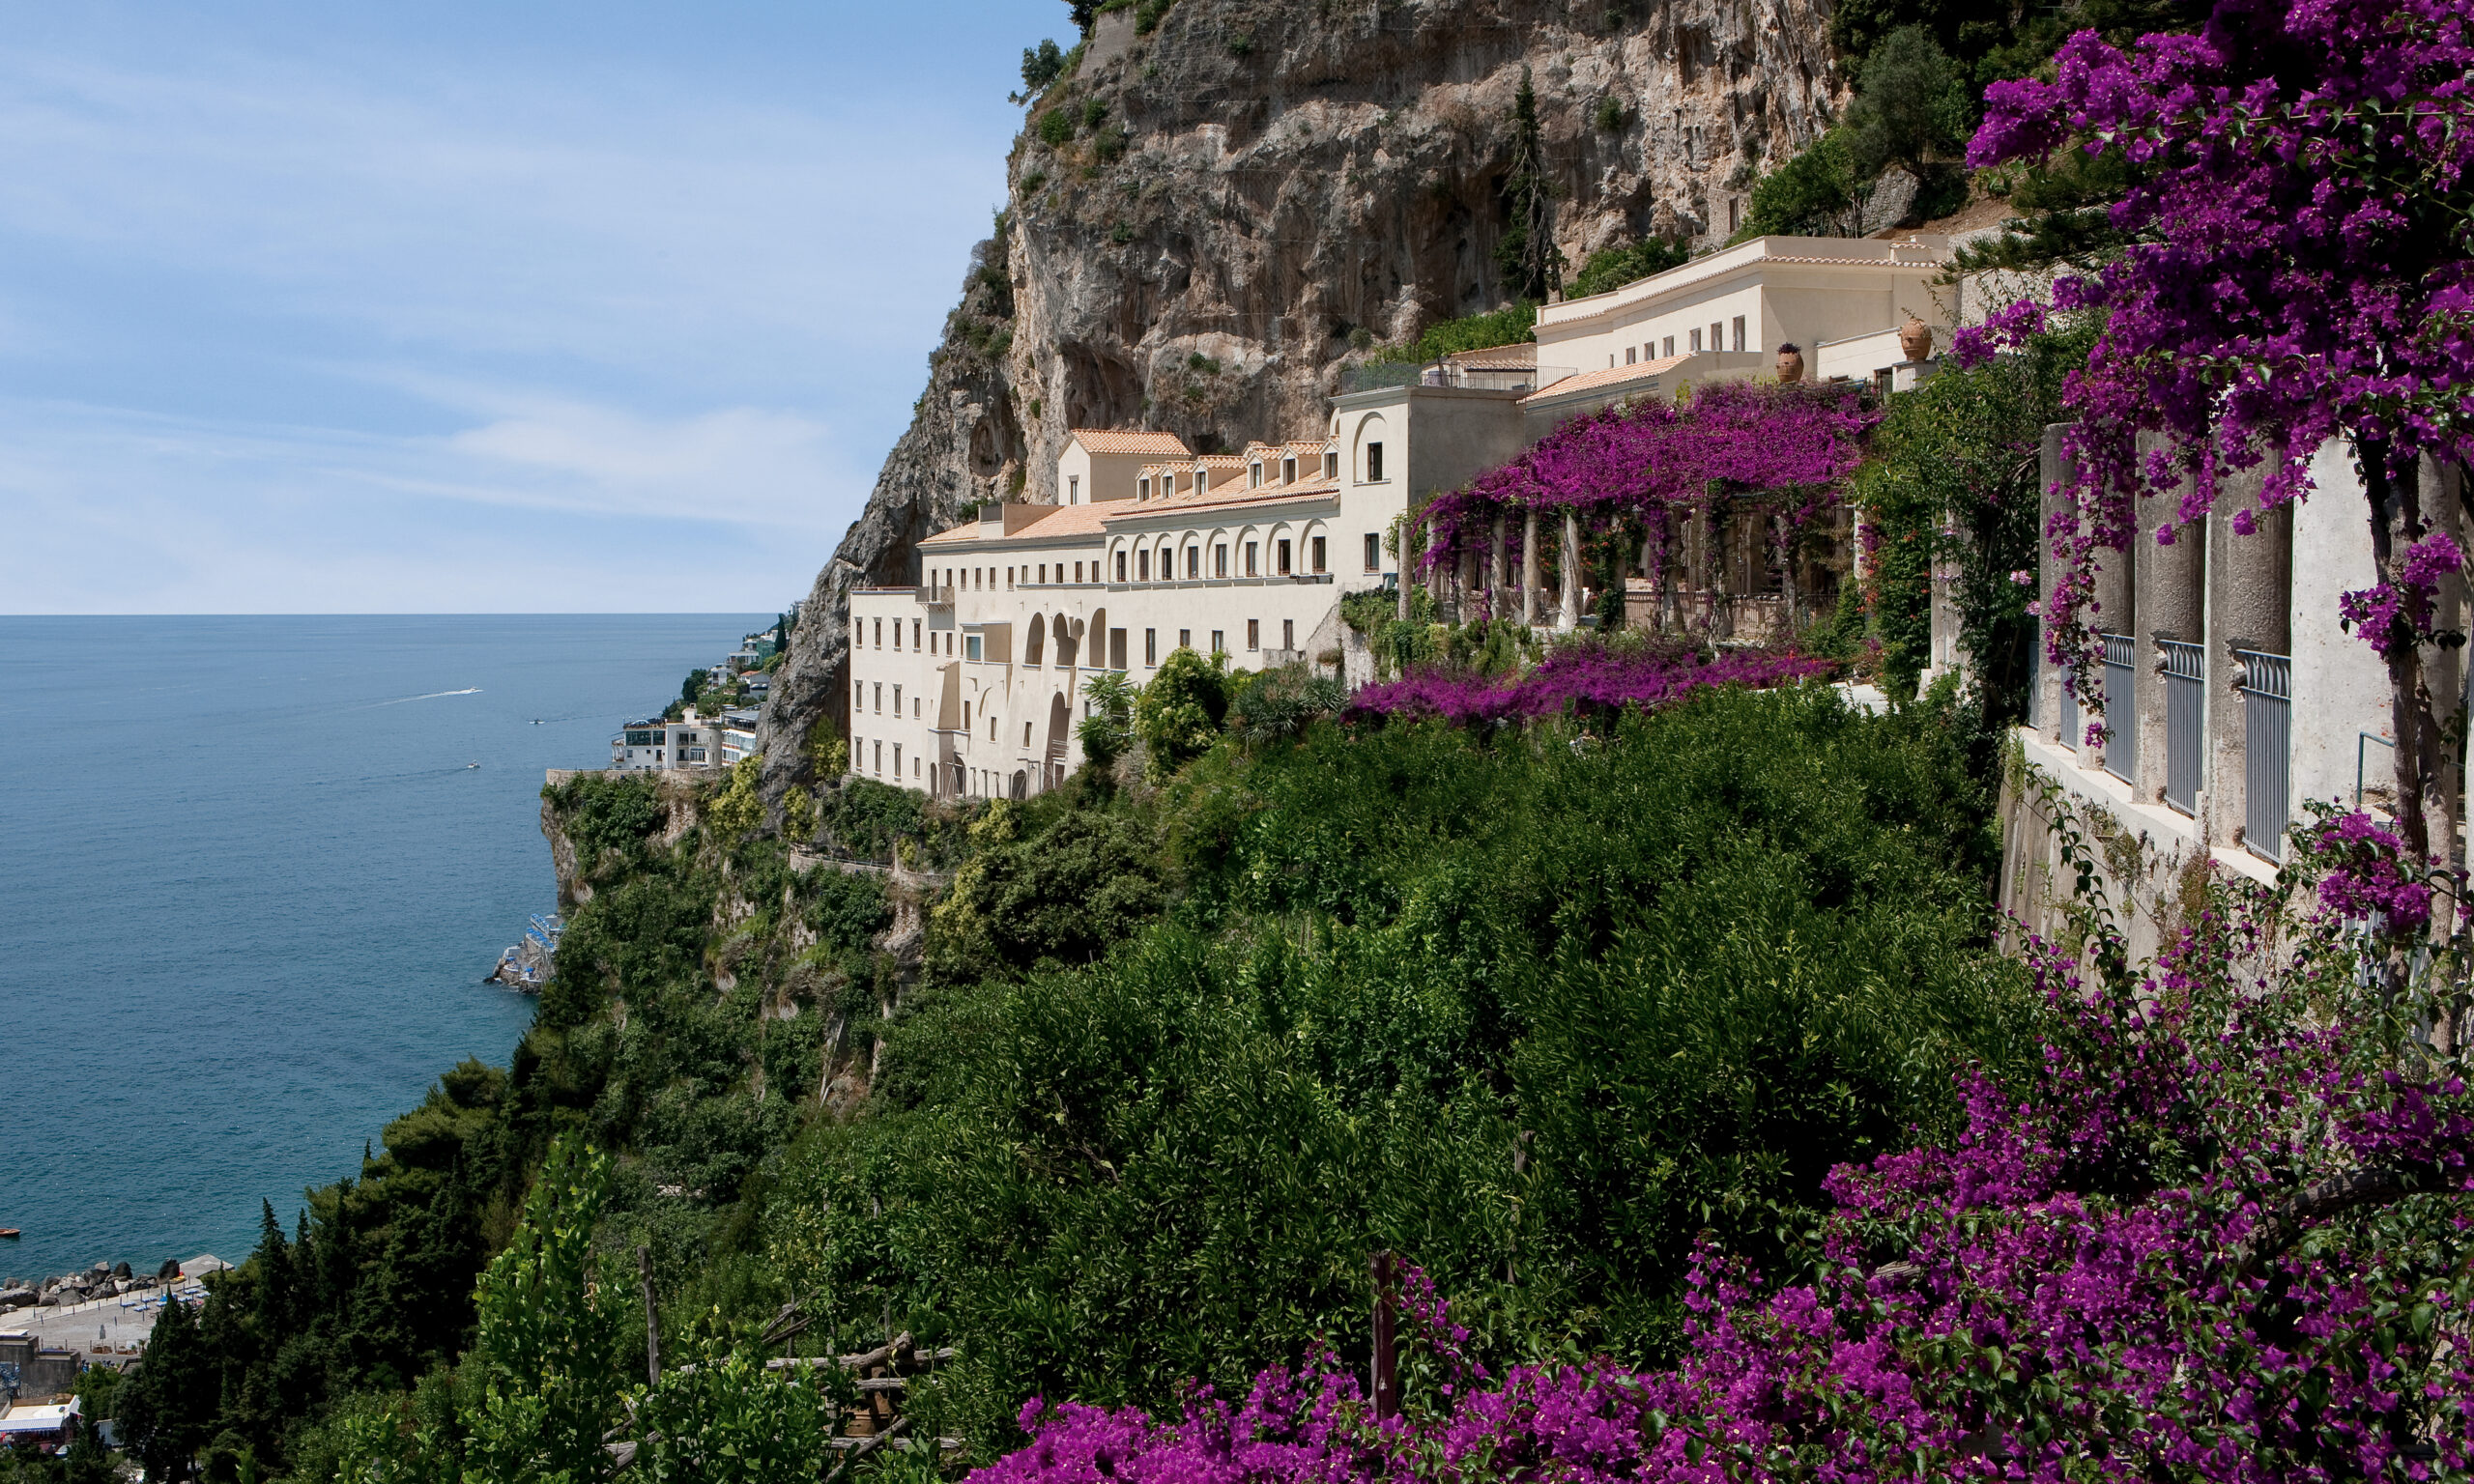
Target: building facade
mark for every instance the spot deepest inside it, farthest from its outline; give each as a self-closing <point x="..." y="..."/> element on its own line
<point x="969" y="683"/>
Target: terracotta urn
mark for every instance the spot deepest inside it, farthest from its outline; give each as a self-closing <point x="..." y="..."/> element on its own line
<point x="1916" y="340"/>
<point x="1790" y="363"/>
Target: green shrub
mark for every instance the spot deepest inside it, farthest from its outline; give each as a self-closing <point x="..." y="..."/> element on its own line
<point x="1177" y="715"/>
<point x="1056" y="128"/>
<point x="1615" y="266"/>
<point x="1611" y="115"/>
<point x="1473" y="332"/>
<point x="1811" y="194"/>
<point x="1041" y="66"/>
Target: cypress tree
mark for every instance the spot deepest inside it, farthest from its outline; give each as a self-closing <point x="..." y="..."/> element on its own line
<point x="1533" y="268"/>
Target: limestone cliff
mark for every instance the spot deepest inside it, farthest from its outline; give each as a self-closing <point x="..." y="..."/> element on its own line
<point x="1222" y="210"/>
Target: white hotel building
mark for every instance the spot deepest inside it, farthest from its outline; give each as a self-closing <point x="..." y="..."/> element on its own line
<point x="970" y="682"/>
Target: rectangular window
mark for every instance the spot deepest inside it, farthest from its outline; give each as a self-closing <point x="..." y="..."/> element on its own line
<point x="1009" y="578"/>
<point x="1253" y="634"/>
<point x="879" y="755"/>
<point x="1042" y="574"/>
<point x="1074" y="489"/>
<point x="897" y="700"/>
<point x="881" y="696"/>
<point x="1202" y="482"/>
<point x="1718" y="337"/>
<point x="1120" y="566"/>
<point x="897" y="759"/>
<point x="973" y="646"/>
<point x="1373" y="551"/>
<point x="1282" y="555"/>
<point x="1332" y="464"/>
<point x="1251" y="548"/>
<point x="1630" y="355"/>
<point x="1374" y="462"/>
<point x="1151" y="647"/>
<point x="1219" y="641"/>
<point x="1253" y="476"/>
<point x="880" y="633"/>
<point x="1288" y="471"/>
<point x="1289" y="634"/>
<point x="1219" y="560"/>
<point x="1670" y="347"/>
<point x="1650" y="351"/>
<point x="1117" y="648"/>
<point x="1315" y="550"/>
<point x="914" y="633"/>
<point x="965" y="716"/>
<point x="1078" y="571"/>
<point x="1185" y="638"/>
<point x="1142" y="566"/>
<point x="1194" y="561"/>
<point x="1738" y="331"/>
<point x="1142" y="489"/>
<point x="1696" y="342"/>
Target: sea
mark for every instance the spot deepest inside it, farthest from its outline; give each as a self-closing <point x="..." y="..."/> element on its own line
<point x="255" y="868"/>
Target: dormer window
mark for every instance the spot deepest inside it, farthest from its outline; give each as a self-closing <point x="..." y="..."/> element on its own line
<point x="1254" y="475"/>
<point x="1142" y="489"/>
<point x="1332" y="464"/>
<point x="1288" y="471"/>
<point x="1074" y="489"/>
<point x="1202" y="482"/>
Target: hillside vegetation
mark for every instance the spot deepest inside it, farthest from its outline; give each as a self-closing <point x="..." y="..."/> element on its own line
<point x="1531" y="1009"/>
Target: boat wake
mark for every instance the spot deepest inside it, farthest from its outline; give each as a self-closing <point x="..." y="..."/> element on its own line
<point x="473" y="690"/>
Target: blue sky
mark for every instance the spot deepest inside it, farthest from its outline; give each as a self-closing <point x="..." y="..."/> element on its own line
<point x="343" y="306"/>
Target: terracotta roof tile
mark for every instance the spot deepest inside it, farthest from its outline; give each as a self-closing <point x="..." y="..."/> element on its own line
<point x="1612" y="376"/>
<point x="1102" y="440"/>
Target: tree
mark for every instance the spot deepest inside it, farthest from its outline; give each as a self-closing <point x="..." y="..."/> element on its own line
<point x="693" y="686"/>
<point x="1910" y="105"/>
<point x="1177" y="715"/>
<point x="1106" y="729"/>
<point x="1041" y="66"/>
<point x="2297" y="273"/>
<point x="1533" y="266"/>
<point x="168" y="1405"/>
<point x="545" y="1377"/>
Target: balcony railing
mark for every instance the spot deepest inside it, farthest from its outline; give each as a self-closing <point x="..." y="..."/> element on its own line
<point x="929" y="595"/>
<point x="2267" y="749"/>
<point x="2185" y="670"/>
<point x="2121" y="710"/>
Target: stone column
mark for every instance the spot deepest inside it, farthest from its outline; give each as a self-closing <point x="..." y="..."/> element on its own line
<point x="1468" y="580"/>
<point x="1495" y="563"/>
<point x="1410" y="539"/>
<point x="1568" y="615"/>
<point x="2111" y="614"/>
<point x="2247" y="609"/>
<point x="2169" y="594"/>
<point x="2052" y="469"/>
<point x="1529" y="568"/>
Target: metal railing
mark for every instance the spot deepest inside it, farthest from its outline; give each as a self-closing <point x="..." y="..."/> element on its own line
<point x="2185" y="671"/>
<point x="2267" y="749"/>
<point x="931" y="595"/>
<point x="2122" y="707"/>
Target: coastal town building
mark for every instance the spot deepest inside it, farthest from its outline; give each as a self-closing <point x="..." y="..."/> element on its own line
<point x="971" y="681"/>
<point x="658" y="745"/>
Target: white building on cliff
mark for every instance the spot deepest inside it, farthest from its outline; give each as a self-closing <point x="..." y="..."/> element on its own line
<point x="970" y="681"/>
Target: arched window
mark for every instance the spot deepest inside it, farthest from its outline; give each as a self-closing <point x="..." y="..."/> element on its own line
<point x="1033" y="635"/>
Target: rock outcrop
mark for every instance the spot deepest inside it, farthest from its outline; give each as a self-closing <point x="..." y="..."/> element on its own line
<point x="1206" y="222"/>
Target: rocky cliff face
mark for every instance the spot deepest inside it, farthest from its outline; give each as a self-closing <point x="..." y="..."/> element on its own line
<point x="1221" y="213"/>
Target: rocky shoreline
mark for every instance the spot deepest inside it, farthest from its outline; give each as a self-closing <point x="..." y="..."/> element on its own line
<point x="103" y="1280"/>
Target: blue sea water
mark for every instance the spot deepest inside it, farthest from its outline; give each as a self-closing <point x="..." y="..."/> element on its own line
<point x="252" y="884"/>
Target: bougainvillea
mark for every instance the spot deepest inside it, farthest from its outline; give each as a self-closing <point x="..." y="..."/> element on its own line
<point x="2225" y="1233"/>
<point x="1792" y="447"/>
<point x="1587" y="680"/>
<point x="2297" y="273"/>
